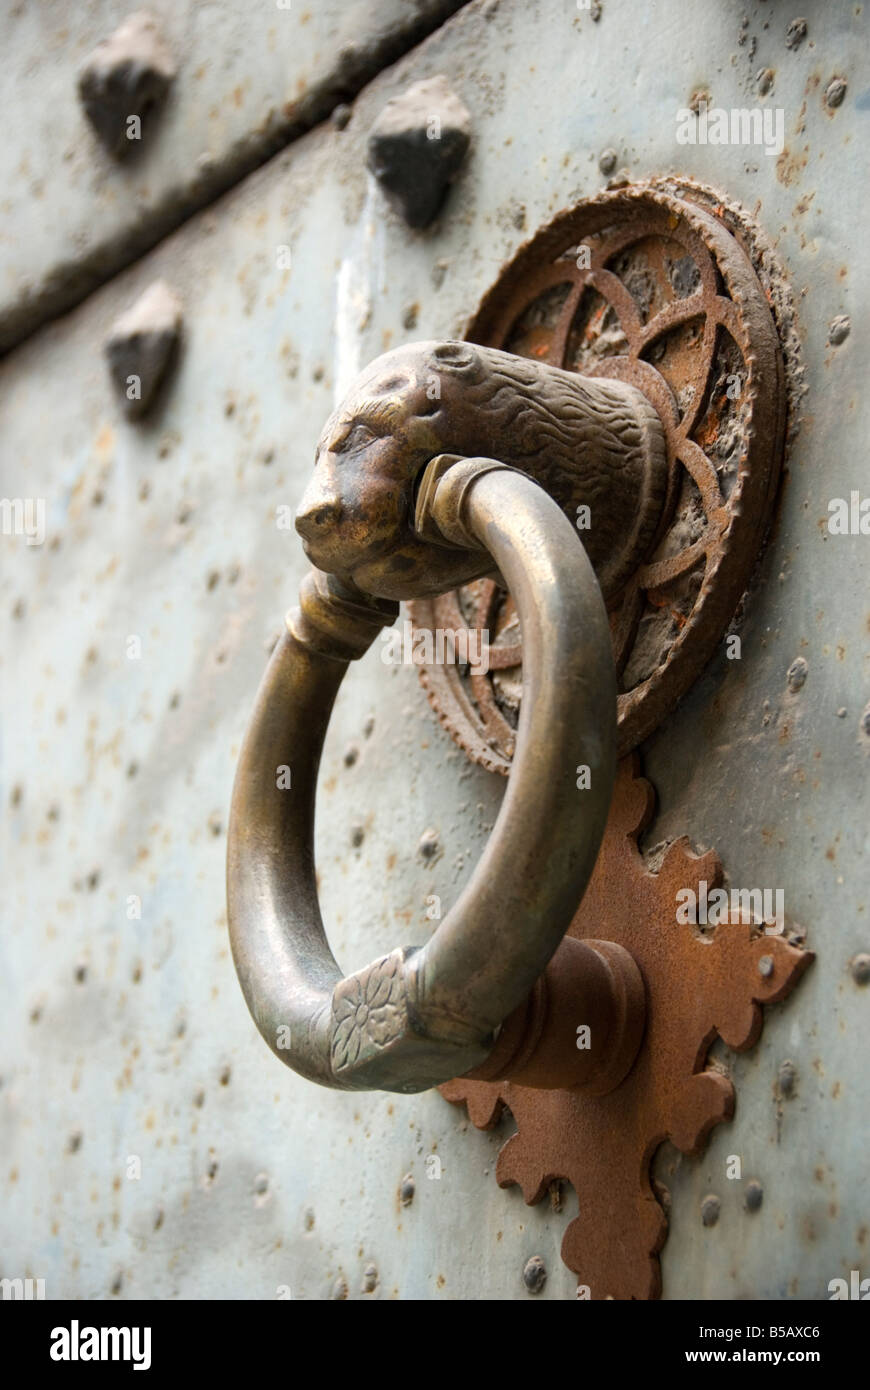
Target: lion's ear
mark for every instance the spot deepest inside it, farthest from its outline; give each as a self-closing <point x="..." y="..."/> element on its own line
<point x="456" y="357"/>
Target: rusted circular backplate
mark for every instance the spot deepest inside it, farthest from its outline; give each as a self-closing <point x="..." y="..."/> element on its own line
<point x="656" y="290"/>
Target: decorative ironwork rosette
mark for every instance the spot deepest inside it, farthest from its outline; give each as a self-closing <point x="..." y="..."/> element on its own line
<point x="656" y="290"/>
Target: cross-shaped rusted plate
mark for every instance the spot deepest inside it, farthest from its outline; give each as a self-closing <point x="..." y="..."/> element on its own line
<point x="699" y="984"/>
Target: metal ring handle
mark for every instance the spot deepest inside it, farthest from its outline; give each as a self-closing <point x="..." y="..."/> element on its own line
<point x="418" y="1017"/>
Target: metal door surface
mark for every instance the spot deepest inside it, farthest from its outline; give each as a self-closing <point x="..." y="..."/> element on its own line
<point x="151" y="1147"/>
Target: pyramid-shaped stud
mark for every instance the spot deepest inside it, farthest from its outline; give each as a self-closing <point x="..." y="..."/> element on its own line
<point x="416" y="147"/>
<point x="125" y="81"/>
<point x="142" y="345"/>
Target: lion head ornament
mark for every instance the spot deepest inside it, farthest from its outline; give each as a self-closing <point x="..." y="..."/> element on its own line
<point x="356" y="518"/>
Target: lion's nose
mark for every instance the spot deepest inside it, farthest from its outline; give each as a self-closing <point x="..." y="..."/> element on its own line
<point x="316" y="514"/>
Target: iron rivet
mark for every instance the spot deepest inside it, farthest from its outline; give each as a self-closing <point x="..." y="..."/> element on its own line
<point x="787" y="1075"/>
<point x="797" y="673"/>
<point x="416" y="147"/>
<point x="836" y="91"/>
<point x="124" y="81"/>
<point x="754" y="1195"/>
<point x="795" y="33"/>
<point x="407" y="1188"/>
<point x="839" y="330"/>
<point x="710" y="1208"/>
<point x="861" y="969"/>
<point x="428" y="845"/>
<point x="142" y="345"/>
<point x="534" y="1274"/>
<point x="765" y="966"/>
<point x="339" y="1290"/>
<point x="607" y="161"/>
<point x="370" y="1279"/>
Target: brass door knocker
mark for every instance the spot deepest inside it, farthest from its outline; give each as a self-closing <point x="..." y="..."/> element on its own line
<point x="582" y="458"/>
<point x="388" y="519"/>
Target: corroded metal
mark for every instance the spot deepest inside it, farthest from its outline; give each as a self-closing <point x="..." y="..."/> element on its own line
<point x="414" y="1018"/>
<point x="653" y="290"/>
<point x="699" y="985"/>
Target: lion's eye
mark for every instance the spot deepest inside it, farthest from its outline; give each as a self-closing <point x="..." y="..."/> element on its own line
<point x="359" y="438"/>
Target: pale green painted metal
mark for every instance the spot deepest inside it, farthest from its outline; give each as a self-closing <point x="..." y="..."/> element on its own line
<point x="253" y="1181"/>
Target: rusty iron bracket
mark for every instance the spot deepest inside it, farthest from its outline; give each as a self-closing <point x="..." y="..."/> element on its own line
<point x="699" y="984"/>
